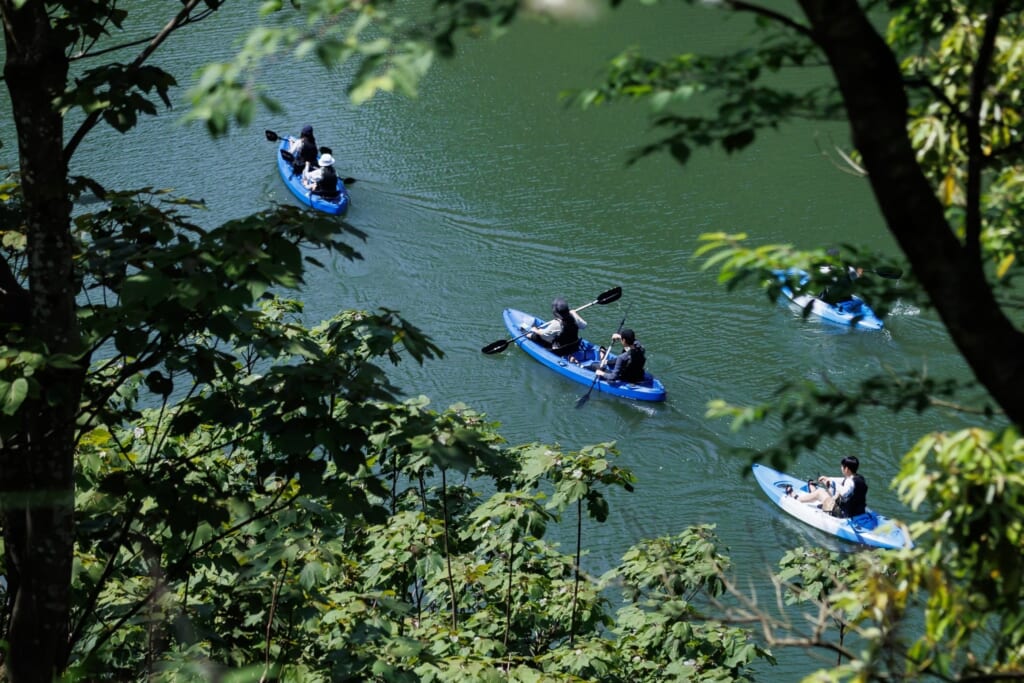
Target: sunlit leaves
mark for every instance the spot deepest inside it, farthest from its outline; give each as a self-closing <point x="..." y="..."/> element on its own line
<point x="881" y="282"/>
<point x="12" y="394"/>
<point x="267" y="556"/>
<point x="668" y="582"/>
<point x="576" y="474"/>
<point x="942" y="79"/>
<point x="678" y="567"/>
<point x="813" y="574"/>
<point x="381" y="51"/>
<point x="973" y="485"/>
<point x="505" y="519"/>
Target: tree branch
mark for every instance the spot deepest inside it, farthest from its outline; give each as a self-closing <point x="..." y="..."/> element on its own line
<point x="975" y="155"/>
<point x="748" y="611"/>
<point x="85" y="54"/>
<point x="875" y="96"/>
<point x="181" y="19"/>
<point x="778" y="17"/>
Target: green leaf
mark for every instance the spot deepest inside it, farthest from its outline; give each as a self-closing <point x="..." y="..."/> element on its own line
<point x="312" y="574"/>
<point x="148" y="288"/>
<point x="13" y="394"/>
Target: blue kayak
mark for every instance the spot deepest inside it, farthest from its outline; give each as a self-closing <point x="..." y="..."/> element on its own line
<point x="333" y="205"/>
<point x="518" y="322"/>
<point x="853" y="312"/>
<point x="870" y="528"/>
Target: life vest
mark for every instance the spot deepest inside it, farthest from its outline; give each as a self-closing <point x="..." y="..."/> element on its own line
<point x="856" y="502"/>
<point x="632" y="368"/>
<point x="841" y="289"/>
<point x="306" y="152"/>
<point x="568" y="340"/>
<point x="327" y="185"/>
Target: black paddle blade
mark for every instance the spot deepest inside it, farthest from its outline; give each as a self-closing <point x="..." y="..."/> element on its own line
<point x="496" y="347"/>
<point x="582" y="400"/>
<point x="613" y="294"/>
<point x="271" y="135"/>
<point x="348" y="181"/>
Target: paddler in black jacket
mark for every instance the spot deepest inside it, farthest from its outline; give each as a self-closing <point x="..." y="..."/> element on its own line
<point x="561" y="334"/>
<point x="629" y="365"/>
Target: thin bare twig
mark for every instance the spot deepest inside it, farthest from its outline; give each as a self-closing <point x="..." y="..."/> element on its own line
<point x="270" y="621"/>
<point x="741" y="6"/>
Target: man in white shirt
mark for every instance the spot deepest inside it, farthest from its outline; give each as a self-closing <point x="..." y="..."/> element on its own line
<point x="850" y="491"/>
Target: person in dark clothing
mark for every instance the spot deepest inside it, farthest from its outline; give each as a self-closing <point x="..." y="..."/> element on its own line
<point x="304" y="150"/>
<point x="322" y="181"/>
<point x="628" y="365"/>
<point x="561" y="334"/>
<point x="851" y="491"/>
<point x="841" y="288"/>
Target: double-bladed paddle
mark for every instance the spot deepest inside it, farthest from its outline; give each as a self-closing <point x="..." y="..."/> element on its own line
<point x="613" y="294"/>
<point x="274" y="137"/>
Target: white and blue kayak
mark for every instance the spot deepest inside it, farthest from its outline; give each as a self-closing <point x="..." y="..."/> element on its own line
<point x="577" y="366"/>
<point x="870" y="528"/>
<point x="853" y="312"/>
<point x="335" y="205"/>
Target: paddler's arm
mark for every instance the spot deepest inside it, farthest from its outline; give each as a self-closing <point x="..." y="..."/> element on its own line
<point x="580" y="322"/>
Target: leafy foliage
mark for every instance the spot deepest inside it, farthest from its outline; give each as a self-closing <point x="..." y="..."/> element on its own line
<point x="667" y="581"/>
<point x="289" y="573"/>
<point x="943" y="132"/>
<point x="958" y="68"/>
<point x="971" y="482"/>
<point x="880" y="284"/>
<point x="961" y="580"/>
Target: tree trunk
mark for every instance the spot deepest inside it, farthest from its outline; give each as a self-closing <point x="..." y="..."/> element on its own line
<point x="951" y="273"/>
<point x="36" y="464"/>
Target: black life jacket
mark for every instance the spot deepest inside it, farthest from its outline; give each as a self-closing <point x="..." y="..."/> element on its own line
<point x="327" y="186"/>
<point x="632" y="368"/>
<point x="568" y="340"/>
<point x="856" y="502"/>
<point x="307" y="152"/>
<point x="841" y="289"/>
